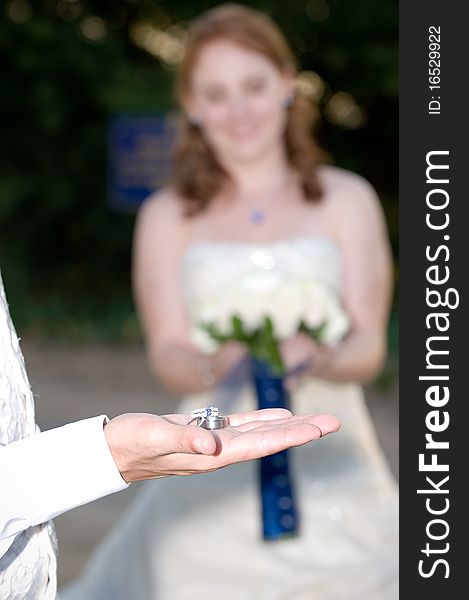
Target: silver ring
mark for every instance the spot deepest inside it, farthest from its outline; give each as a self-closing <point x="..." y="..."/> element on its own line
<point x="198" y="419"/>
<point x="208" y="417"/>
<point x="214" y="423"/>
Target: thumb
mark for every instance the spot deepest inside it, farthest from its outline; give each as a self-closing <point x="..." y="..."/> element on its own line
<point x="189" y="440"/>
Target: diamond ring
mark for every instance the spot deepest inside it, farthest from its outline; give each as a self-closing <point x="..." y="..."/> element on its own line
<point x="208" y="417"/>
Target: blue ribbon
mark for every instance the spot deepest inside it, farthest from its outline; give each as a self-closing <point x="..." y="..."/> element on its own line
<point x="280" y="517"/>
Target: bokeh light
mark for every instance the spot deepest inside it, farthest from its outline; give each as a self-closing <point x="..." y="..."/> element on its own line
<point x="342" y="109"/>
<point x="317" y="10"/>
<point x="19" y="11"/>
<point x="69" y="10"/>
<point x="166" y="45"/>
<point x="310" y="85"/>
<point x="93" y="29"/>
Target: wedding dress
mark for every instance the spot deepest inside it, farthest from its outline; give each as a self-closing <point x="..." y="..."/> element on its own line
<point x="199" y="537"/>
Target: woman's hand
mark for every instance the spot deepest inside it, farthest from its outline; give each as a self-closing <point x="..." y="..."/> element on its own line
<point x="146" y="446"/>
<point x="226" y="359"/>
<point x="302" y="354"/>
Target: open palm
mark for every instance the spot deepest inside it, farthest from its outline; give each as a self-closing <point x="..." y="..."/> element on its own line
<point x="168" y="446"/>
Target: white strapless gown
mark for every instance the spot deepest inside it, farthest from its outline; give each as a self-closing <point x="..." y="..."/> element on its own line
<point x="198" y="538"/>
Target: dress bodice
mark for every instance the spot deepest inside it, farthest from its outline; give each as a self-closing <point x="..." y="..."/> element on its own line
<point x="209" y="265"/>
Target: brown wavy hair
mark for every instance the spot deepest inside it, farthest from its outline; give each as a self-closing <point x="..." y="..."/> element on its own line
<point x="197" y="175"/>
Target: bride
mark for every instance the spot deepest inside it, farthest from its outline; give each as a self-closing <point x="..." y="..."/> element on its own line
<point x="250" y="194"/>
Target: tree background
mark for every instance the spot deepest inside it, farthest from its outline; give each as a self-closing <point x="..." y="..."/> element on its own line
<point x="68" y="65"/>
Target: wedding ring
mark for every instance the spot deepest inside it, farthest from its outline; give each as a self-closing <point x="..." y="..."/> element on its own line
<point x="208" y="417"/>
<point x="198" y="419"/>
<point x="214" y="423"/>
<point x="205" y="411"/>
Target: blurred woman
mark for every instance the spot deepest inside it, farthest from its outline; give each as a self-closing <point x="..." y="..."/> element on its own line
<point x="251" y="193"/>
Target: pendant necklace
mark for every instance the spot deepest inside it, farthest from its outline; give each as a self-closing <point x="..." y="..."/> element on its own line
<point x="257" y="216"/>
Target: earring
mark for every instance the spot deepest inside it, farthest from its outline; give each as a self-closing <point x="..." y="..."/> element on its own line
<point x="194" y="121"/>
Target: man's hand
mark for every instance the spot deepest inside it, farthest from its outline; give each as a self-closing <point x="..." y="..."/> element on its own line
<point x="147" y="446"/>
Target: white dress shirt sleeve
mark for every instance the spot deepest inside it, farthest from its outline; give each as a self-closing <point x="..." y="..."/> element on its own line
<point x="54" y="471"/>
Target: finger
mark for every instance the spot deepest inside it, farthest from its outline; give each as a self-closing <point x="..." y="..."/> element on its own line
<point x="177" y="418"/>
<point x="237" y="419"/>
<point x="326" y="423"/>
<point x="255" y="444"/>
<point x="175" y="439"/>
<point x="268" y="425"/>
<point x="270" y="437"/>
<point x="245" y="446"/>
<point x="265" y="414"/>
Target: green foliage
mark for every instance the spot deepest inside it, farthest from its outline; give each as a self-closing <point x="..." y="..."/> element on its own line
<point x="62" y="250"/>
<point x="260" y="342"/>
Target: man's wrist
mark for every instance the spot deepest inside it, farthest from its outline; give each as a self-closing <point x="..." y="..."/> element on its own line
<point x="109" y="435"/>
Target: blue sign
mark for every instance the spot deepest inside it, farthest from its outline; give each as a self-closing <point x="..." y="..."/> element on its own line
<point x="139" y="157"/>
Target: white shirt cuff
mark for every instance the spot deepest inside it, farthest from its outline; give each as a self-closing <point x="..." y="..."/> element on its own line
<point x="55" y="471"/>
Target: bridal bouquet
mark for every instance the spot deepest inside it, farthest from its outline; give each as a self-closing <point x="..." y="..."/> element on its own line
<point x="262" y="309"/>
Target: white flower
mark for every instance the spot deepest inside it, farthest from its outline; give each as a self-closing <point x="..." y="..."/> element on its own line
<point x="252" y="311"/>
<point x="286" y="310"/>
<point x="286" y="298"/>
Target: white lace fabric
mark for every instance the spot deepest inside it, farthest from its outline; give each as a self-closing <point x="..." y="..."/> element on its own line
<point x="28" y="568"/>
